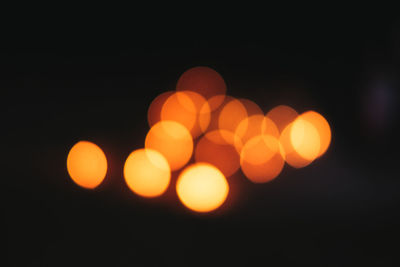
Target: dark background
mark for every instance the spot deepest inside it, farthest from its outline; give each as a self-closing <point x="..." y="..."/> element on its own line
<point x="342" y="210"/>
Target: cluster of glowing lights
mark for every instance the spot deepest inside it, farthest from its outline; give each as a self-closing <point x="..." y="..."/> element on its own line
<point x="207" y="136"/>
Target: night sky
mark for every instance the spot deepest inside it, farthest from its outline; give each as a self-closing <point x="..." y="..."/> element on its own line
<point x="342" y="210"/>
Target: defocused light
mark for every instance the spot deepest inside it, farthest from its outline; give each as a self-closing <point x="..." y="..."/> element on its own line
<point x="217" y="148"/>
<point x="205" y="81"/>
<point x="305" y="139"/>
<point x="231" y="115"/>
<point x="253" y="126"/>
<point x="202" y="187"/>
<point x="260" y="159"/>
<point x="147" y="172"/>
<point x="180" y="108"/>
<point x="213" y="124"/>
<point x="251" y="107"/>
<point x="288" y="152"/>
<point x="87" y="164"/>
<point x="173" y="141"/>
<point x="322" y="126"/>
<point x="188" y="108"/>
<point x="282" y="115"/>
<point x="154" y="112"/>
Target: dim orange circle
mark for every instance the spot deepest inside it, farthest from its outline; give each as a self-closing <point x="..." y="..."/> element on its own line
<point x="87" y="164"/>
<point x="154" y="111"/>
<point x="217" y="148"/>
<point x="201" y="187"/>
<point x="232" y="113"/>
<point x="173" y="141"/>
<point x="251" y="107"/>
<point x="147" y="172"/>
<point x="282" y="115"/>
<point x="205" y="81"/>
<point x="260" y="159"/>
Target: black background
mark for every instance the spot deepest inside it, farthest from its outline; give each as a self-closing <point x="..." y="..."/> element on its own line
<point x="342" y="210"/>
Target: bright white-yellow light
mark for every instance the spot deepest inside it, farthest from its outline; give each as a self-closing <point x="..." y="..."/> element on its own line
<point x="202" y="187"/>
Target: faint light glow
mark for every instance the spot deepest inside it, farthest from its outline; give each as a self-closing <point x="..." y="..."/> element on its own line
<point x="305" y="139"/>
<point x="147" y="172"/>
<point x="380" y="103"/>
<point x="322" y="126"/>
<point x="201" y="187"/>
<point x="87" y="164"/>
<point x="260" y="159"/>
<point x="205" y="81"/>
<point x="173" y="141"/>
<point x="217" y="148"/>
<point x="282" y="115"/>
<point x="154" y="111"/>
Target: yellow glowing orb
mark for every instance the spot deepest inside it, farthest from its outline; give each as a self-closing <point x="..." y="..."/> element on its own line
<point x="147" y="172"/>
<point x="322" y="126"/>
<point x="305" y="139"/>
<point x="202" y="187"/>
<point x="87" y="164"/>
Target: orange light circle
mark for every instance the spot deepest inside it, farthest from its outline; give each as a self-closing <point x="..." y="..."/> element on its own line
<point x="201" y="187"/>
<point x="260" y="159"/>
<point x="173" y="141"/>
<point x="253" y="126"/>
<point x="205" y="81"/>
<point x="232" y="113"/>
<point x="251" y="107"/>
<point x="87" y="164"/>
<point x="179" y="107"/>
<point x="154" y="111"/>
<point x="217" y="148"/>
<point x="282" y="115"/>
<point x="147" y="173"/>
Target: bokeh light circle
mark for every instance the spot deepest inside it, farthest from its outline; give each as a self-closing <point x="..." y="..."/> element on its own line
<point x="205" y="81"/>
<point x="154" y="111"/>
<point x="180" y="108"/>
<point x="288" y="152"/>
<point x="282" y="116"/>
<point x="201" y="187"/>
<point x="173" y="141"/>
<point x="305" y="139"/>
<point x="232" y="113"/>
<point x="87" y="164"/>
<point x="253" y="126"/>
<point x="322" y="126"/>
<point x="217" y="148"/>
<point x="260" y="159"/>
<point x="147" y="172"/>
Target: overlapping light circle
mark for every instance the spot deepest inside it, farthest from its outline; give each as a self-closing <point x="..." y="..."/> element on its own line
<point x="208" y="136"/>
